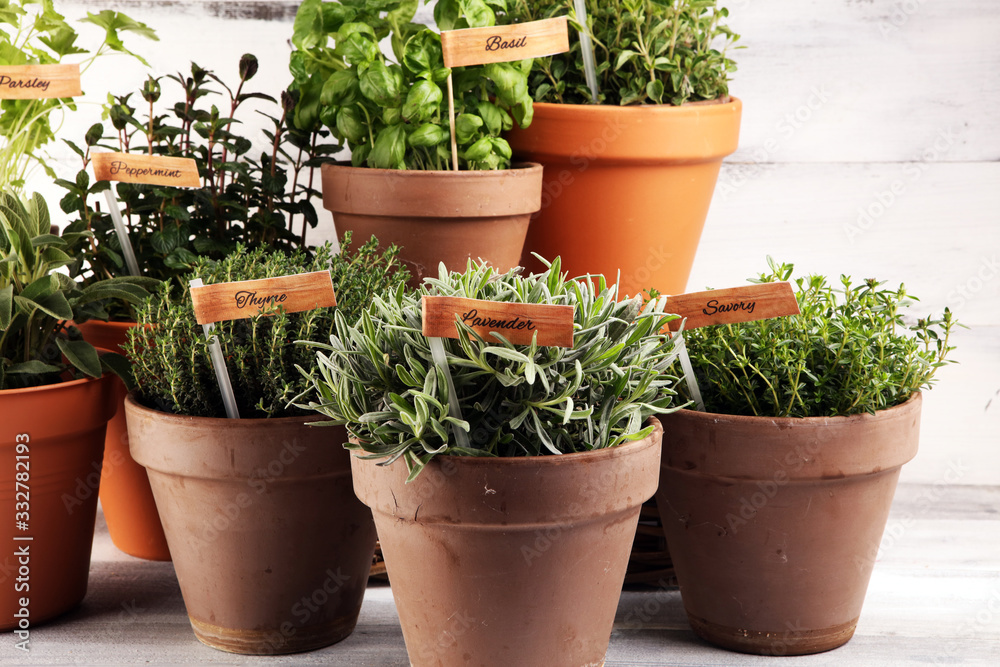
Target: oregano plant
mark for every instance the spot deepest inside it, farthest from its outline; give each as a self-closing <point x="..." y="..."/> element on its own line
<point x="853" y="349"/>
<point x="647" y="51"/>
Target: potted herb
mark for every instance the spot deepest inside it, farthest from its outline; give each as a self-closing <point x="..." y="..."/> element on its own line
<point x="510" y="549"/>
<point x="640" y="162"/>
<point x="774" y="500"/>
<point x="249" y="195"/>
<point x="392" y="111"/>
<point x="271" y="547"/>
<point x="55" y="400"/>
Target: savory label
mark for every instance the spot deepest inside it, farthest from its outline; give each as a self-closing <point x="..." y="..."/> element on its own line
<point x="152" y="169"/>
<point x="36" y="82"/>
<point x="736" y="304"/>
<point x="517" y="322"/>
<point x="246" y="298"/>
<point x="479" y="46"/>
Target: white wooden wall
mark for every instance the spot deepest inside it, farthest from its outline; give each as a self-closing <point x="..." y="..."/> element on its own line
<point x="870" y="146"/>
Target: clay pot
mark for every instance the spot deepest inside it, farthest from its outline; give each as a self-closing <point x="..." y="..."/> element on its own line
<point x="510" y="561"/>
<point x="774" y="524"/>
<point x="59" y="430"/>
<point x="436" y="216"/>
<point x="270" y="545"/>
<point x="126" y="498"/>
<point x="626" y="188"/>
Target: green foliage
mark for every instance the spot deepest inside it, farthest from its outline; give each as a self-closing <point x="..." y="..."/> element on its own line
<point x="33" y="33"/>
<point x="37" y="301"/>
<point x="378" y="375"/>
<point x="170" y="355"/>
<point x="647" y="51"/>
<point x="849" y="351"/>
<point x="243" y="199"/>
<point x="394" y="113"/>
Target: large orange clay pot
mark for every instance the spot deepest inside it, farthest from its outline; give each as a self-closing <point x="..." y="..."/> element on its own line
<point x="436" y="216"/>
<point x="773" y="524"/>
<point x="126" y="498"/>
<point x="51" y="444"/>
<point x="510" y="561"/>
<point x="271" y="547"/>
<point x="626" y="188"/>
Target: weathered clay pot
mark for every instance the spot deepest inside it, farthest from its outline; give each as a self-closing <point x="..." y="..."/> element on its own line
<point x="773" y="524"/>
<point x="271" y="547"/>
<point x="626" y="188"/>
<point x="51" y="443"/>
<point x="436" y="216"/>
<point x="510" y="561"/>
<point x="126" y="498"/>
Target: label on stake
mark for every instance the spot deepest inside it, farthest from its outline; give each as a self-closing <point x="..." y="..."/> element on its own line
<point x="152" y="169"/>
<point x="732" y="305"/>
<point x="499" y="44"/>
<point x="246" y="298"/>
<point x="38" y="82"/>
<point x="517" y="322"/>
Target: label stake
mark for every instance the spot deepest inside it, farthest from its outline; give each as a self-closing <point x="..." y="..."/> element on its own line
<point x="219" y="364"/>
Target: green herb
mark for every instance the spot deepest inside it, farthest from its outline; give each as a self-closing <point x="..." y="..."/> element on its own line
<point x="647" y="51"/>
<point x="393" y="113"/>
<point x="38" y="345"/>
<point x="265" y="201"/>
<point x="378" y="375"/>
<point x="33" y="33"/>
<point x="851" y="350"/>
<point x="169" y="352"/>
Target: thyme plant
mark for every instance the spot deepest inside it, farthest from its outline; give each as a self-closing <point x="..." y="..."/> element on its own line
<point x="850" y="351"/>
<point x="170" y="355"/>
<point x="647" y="51"/>
<point x="378" y="376"/>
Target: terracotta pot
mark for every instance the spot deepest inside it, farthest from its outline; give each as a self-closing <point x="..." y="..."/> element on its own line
<point x="270" y="545"/>
<point x="510" y="561"/>
<point x="436" y="216"/>
<point x="126" y="498"/>
<point x="626" y="188"/>
<point x="63" y="428"/>
<point x="774" y="524"/>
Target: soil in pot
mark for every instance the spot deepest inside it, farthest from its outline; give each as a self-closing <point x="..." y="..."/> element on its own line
<point x="510" y="561"/>
<point x="52" y="442"/>
<point x="270" y="545"/>
<point x="126" y="498"/>
<point x="625" y="188"/>
<point x="774" y="524"/>
<point x="436" y="216"/>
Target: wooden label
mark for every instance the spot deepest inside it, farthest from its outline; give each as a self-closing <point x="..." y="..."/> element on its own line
<point x="479" y="46"/>
<point x="36" y="82"/>
<point x="153" y="169"/>
<point x="736" y="304"/>
<point x="246" y="298"/>
<point x="517" y="322"/>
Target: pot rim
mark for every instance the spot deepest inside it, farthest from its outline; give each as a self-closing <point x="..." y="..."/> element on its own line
<point x="522" y="167"/>
<point x="716" y="106"/>
<point x="722" y="417"/>
<point x="133" y="402"/>
<point x="542" y="459"/>
<point x="68" y="384"/>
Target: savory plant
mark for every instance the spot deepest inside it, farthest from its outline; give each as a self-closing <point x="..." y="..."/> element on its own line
<point x="647" y="51"/>
<point x="169" y="352"/>
<point x="378" y="375"/>
<point x="38" y="304"/>
<point x="33" y="33"/>
<point x="850" y="351"/>
<point x="393" y="112"/>
<point x="264" y="201"/>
